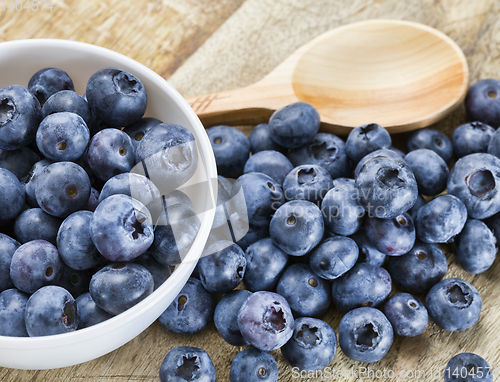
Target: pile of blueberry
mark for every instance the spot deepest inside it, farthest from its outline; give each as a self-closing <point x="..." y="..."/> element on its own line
<point x="86" y="184"/>
<point x="344" y="223"/>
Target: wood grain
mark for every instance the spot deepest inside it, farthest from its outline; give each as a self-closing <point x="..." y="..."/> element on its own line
<point x="255" y="38"/>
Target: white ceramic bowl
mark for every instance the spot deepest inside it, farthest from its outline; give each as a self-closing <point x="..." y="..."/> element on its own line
<point x="19" y="60"/>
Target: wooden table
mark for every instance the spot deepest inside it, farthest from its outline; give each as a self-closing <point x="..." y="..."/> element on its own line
<point x="203" y="46"/>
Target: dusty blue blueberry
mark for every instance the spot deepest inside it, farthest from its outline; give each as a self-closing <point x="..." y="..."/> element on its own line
<point x="137" y="130"/>
<point x="265" y="264"/>
<point x="68" y="101"/>
<point x="12" y="308"/>
<point x="75" y="282"/>
<point x="407" y="314"/>
<point x="185" y="363"/>
<point x="494" y="145"/>
<point x="431" y="139"/>
<point x="365" y="334"/>
<point x="312" y="346"/>
<point x="48" y="81"/>
<point x="363" y="285"/>
<point x="416" y="207"/>
<point x="430" y="170"/>
<point x="393" y="237"/>
<point x="231" y="149"/>
<point x="93" y="200"/>
<point x="50" y="310"/>
<point x="368" y="253"/>
<point x="119" y="286"/>
<point x="380" y="153"/>
<point x="333" y="257"/>
<point x="482" y="102"/>
<point x="468" y="367"/>
<point x="226" y="316"/>
<point x="19" y="162"/>
<point x="307" y="182"/>
<point x="34" y="265"/>
<point x="471" y="137"/>
<point x="89" y="313"/>
<point x="12" y="199"/>
<point x="34" y="224"/>
<point x="297" y="227"/>
<point x="29" y="181"/>
<point x="294" y="125"/>
<point x="260" y="140"/>
<point x="7" y="248"/>
<point x="307" y="294"/>
<point x="365" y="139"/>
<point x="190" y="311"/>
<point x="253" y="365"/>
<point x="159" y="271"/>
<point x="266" y="321"/>
<point x="440" y="220"/>
<point x="325" y="150"/>
<point x="420" y="269"/>
<point x="254" y="234"/>
<point x="269" y="162"/>
<point x="454" y="304"/>
<point x="475" y="247"/>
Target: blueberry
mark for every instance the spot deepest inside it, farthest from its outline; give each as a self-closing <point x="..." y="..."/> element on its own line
<point x="116" y="96"/>
<point x="7" y="248"/>
<point x="231" y="149"/>
<point x="482" y="102"/>
<point x="365" y="335"/>
<point x="393" y="237"/>
<point x="75" y="282"/>
<point x="475" y="248"/>
<point x="420" y="269"/>
<point x="222" y="267"/>
<point x="407" y="314"/>
<point x="137" y="130"/>
<point x="472" y="137"/>
<point x="253" y="365"/>
<point x="312" y="346"/>
<point x="62" y="188"/>
<point x="224" y="207"/>
<point x="380" y="153"/>
<point x="13" y="196"/>
<point x="89" y="313"/>
<point x="50" y="310"/>
<point x="494" y="224"/>
<point x="387" y="187"/>
<point x="294" y="125"/>
<point x="307" y="182"/>
<point x="19" y="162"/>
<point x="363" y="285"/>
<point x="119" y="286"/>
<point x="368" y="253"/>
<point x="468" y="367"/>
<point x="454" y="304"/>
<point x="367" y="138"/>
<point x="333" y="257"/>
<point x="121" y="228"/>
<point x="430" y="170"/>
<point x="226" y="316"/>
<point x="266" y="321"/>
<point x="68" y="101"/>
<point x="185" y="363"/>
<point x="254" y="234"/>
<point x="306" y="293"/>
<point x="416" y="207"/>
<point x="12" y="308"/>
<point x="494" y="145"/>
<point x="260" y="139"/>
<point x="48" y="81"/>
<point x="93" y="200"/>
<point x="34" y="224"/>
<point x="297" y="227"/>
<point x="440" y="220"/>
<point x="431" y="139"/>
<point x="29" y="181"/>
<point x="269" y="162"/>
<point x="35" y="264"/>
<point x="159" y="271"/>
<point x="190" y="311"/>
<point x="325" y="150"/>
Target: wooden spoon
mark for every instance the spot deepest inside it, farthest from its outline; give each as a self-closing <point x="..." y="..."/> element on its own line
<point x="400" y="74"/>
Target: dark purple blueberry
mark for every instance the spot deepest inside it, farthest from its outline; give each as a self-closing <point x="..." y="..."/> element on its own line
<point x="185" y="363"/>
<point x="365" y="335"/>
<point x="312" y="346"/>
<point x="368" y="253"/>
<point x="231" y="149"/>
<point x="468" y="367"/>
<point x="34" y="224"/>
<point x="159" y="271"/>
<point x="363" y="285"/>
<point x="29" y="181"/>
<point x="48" y="81"/>
<point x="253" y="365"/>
<point x="260" y="139"/>
<point x="12" y="199"/>
<point x="68" y="101"/>
<point x="75" y="282"/>
<point x="12" y="308"/>
<point x="430" y="170"/>
<point x="7" y="248"/>
<point x="380" y="153"/>
<point x="365" y="139"/>
<point x="294" y="125"/>
<point x="271" y="163"/>
<point x="454" y="304"/>
<point x="116" y="96"/>
<point x="119" y="286"/>
<point x="333" y="257"/>
<point x="137" y="130"/>
<point x="19" y="162"/>
<point x="471" y="137"/>
<point x="266" y="321"/>
<point x="307" y="182"/>
<point x="431" y="139"/>
<point x="35" y="264"/>
<point x="407" y="314"/>
<point x="393" y="237"/>
<point x="89" y="313"/>
<point x="482" y="102"/>
<point x="190" y="311"/>
<point x="226" y="316"/>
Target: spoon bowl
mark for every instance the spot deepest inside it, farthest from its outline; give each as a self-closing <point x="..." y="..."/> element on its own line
<point x="399" y="74"/>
